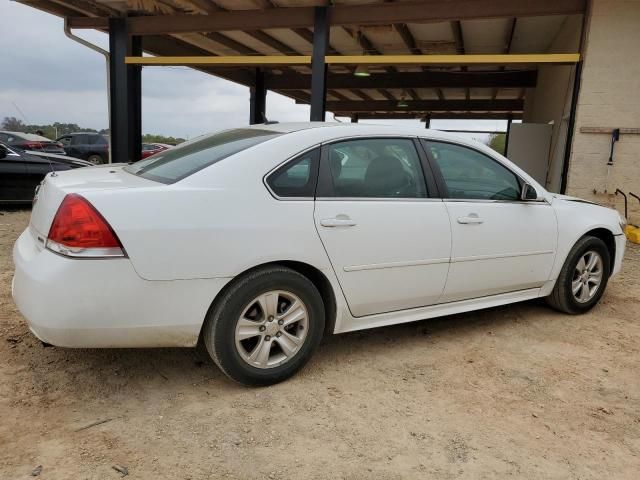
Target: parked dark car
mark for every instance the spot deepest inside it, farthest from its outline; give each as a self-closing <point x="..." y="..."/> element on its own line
<point x="93" y="147"/>
<point x="21" y="172"/>
<point x="30" y="141"/>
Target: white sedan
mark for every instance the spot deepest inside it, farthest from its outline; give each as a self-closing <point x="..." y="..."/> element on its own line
<point x="258" y="241"/>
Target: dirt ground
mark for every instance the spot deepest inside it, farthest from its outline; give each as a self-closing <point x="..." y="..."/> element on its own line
<point x="518" y="391"/>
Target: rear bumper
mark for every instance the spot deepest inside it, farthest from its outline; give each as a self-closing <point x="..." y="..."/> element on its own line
<point x="104" y="303"/>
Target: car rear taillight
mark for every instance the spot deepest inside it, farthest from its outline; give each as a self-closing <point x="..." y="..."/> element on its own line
<point x="78" y="230"/>
<point x="33" y="145"/>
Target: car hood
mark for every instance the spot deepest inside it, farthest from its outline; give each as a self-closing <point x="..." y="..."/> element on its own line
<point x="575" y="199"/>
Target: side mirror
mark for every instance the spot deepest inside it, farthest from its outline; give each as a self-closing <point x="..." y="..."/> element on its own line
<point x="3" y="152"/>
<point x="529" y="193"/>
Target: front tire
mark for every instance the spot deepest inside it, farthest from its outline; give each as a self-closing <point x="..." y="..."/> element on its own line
<point x="583" y="277"/>
<point x="265" y="327"/>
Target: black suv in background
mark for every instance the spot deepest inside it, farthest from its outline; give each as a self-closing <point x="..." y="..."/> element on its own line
<point x="93" y="147"/>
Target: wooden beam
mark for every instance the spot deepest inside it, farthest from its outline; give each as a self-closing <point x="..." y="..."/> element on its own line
<point x="421" y="115"/>
<point x="507" y="48"/>
<point x="428" y="105"/>
<point x="276" y="60"/>
<point x="425" y="11"/>
<point x="427" y="79"/>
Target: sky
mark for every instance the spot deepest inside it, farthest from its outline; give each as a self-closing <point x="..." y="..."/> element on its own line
<point x="46" y="77"/>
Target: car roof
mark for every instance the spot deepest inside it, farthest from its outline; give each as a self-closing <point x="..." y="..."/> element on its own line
<point x="27" y="136"/>
<point x="339" y="129"/>
<point x="84" y="133"/>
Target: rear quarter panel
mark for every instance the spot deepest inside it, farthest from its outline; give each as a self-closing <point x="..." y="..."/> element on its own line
<point x="216" y="223"/>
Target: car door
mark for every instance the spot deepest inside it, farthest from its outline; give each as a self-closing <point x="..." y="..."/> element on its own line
<point x="499" y="242"/>
<point x="387" y="238"/>
<point x="78" y="147"/>
<point x="13" y="178"/>
<point x="66" y="143"/>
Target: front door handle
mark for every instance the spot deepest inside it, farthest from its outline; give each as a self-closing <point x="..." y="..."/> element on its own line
<point x="339" y="221"/>
<point x="472" y="218"/>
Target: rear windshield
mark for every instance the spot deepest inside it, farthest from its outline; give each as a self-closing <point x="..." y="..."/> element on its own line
<point x="187" y="158"/>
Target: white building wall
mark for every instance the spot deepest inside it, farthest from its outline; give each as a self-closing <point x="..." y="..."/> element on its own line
<point x="609" y="97"/>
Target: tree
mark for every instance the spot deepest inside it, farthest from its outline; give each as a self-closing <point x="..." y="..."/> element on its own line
<point x="497" y="141"/>
<point x="13" y="124"/>
<point x="151" y="138"/>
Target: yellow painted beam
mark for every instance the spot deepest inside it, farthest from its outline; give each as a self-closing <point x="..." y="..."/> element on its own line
<point x="276" y="60"/>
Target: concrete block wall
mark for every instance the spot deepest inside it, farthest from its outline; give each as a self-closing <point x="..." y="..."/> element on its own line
<point x="609" y="97"/>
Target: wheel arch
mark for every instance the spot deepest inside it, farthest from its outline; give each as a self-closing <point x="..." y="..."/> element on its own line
<point x="319" y="280"/>
<point x="607" y="237"/>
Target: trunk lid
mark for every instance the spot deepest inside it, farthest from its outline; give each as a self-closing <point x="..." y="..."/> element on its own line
<point x="54" y="188"/>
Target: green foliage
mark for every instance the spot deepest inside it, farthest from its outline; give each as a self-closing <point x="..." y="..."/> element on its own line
<point x="13" y="124"/>
<point x="497" y="142"/>
<point x="150" y="138"/>
<point x="58" y="129"/>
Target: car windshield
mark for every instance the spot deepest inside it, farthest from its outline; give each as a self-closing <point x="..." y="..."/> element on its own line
<point x="189" y="157"/>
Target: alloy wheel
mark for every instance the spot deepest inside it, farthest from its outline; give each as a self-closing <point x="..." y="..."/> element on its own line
<point x="587" y="276"/>
<point x="271" y="329"/>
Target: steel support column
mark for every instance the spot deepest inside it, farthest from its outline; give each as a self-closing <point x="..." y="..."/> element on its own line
<point x="258" y="99"/>
<point x="125" y="94"/>
<point x="354" y="118"/>
<point x="318" y="65"/>
<point x="577" y="75"/>
<point x="507" y="134"/>
<point x="134" y="103"/>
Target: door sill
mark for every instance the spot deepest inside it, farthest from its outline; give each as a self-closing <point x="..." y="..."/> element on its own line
<point x="352" y="324"/>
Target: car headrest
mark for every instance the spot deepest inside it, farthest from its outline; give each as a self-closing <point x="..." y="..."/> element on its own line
<point x="385" y="175"/>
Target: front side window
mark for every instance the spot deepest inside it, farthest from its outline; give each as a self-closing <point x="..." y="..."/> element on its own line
<point x="296" y="178"/>
<point x="469" y="174"/>
<point x="66" y="141"/>
<point x="374" y="167"/>
<point x="177" y="163"/>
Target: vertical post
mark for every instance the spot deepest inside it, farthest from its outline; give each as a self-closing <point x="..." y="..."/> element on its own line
<point x="134" y="102"/>
<point x="570" y="126"/>
<point x="258" y="99"/>
<point x="318" y="65"/>
<point x="506" y="138"/>
<point x="126" y="94"/>
<point x="118" y="42"/>
<point x="354" y="118"/>
<point x="427" y="121"/>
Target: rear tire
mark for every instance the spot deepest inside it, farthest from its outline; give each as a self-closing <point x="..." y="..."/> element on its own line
<point x="265" y="327"/>
<point x="583" y="277"/>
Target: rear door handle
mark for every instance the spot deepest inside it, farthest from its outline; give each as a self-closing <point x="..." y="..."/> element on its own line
<point x="470" y="219"/>
<point x="337" y="222"/>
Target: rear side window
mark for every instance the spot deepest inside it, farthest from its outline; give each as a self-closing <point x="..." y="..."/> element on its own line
<point x="297" y="178"/>
<point x="189" y="157"/>
<point x="374" y="168"/>
<point x="79" y="140"/>
<point x="97" y="140"/>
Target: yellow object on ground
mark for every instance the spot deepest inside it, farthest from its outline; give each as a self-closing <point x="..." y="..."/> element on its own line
<point x="632" y="233"/>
